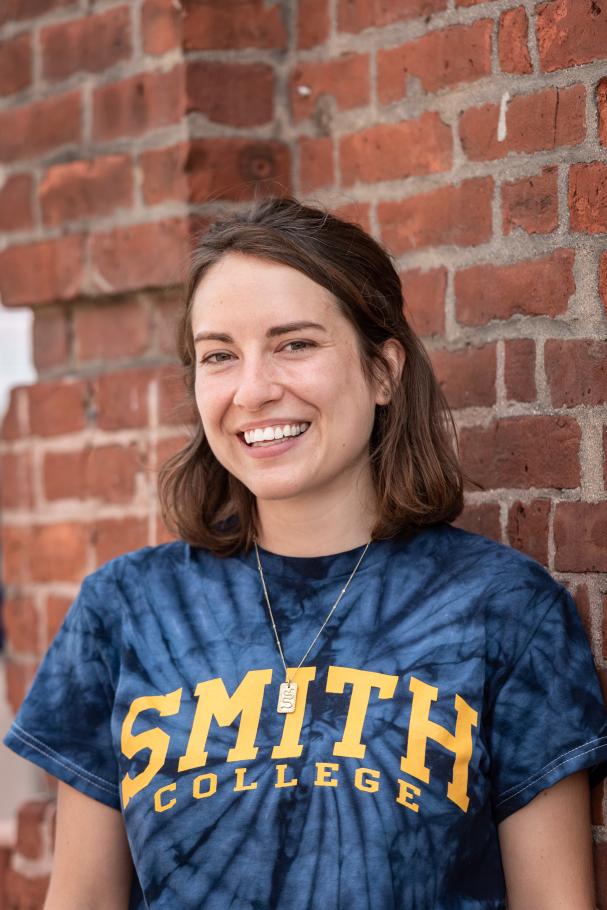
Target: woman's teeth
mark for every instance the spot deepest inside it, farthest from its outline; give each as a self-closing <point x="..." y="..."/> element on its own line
<point x="267" y="435"/>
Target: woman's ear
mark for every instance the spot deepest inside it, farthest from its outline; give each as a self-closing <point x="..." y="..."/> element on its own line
<point x="395" y="355"/>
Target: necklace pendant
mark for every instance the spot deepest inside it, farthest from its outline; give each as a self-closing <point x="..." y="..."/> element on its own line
<point x="287" y="697"/>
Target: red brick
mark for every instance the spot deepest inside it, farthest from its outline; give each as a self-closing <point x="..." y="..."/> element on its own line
<point x="481" y="519"/>
<point x="315" y="162"/>
<point x="528" y="528"/>
<point x="587" y="197"/>
<point x="217" y="26"/>
<point x="424" y="300"/>
<point x="32" y="821"/>
<point x="467" y="377"/>
<point x="166" y="448"/>
<point x="116" y="536"/>
<point x="43" y="272"/>
<point x="439" y="59"/>
<point x="82" y="189"/>
<point x="19" y="676"/>
<point x="15" y="423"/>
<point x="164" y="173"/>
<point x="161" y="26"/>
<point x="140" y="103"/>
<point x="174" y="405"/>
<point x="582" y="602"/>
<point x="513" y="48"/>
<point x="239" y="169"/>
<point x="103" y="472"/>
<point x="51" y="338"/>
<point x="506" y="453"/>
<point x="56" y="608"/>
<point x="21" y="624"/>
<point x="580" y="532"/>
<point x="91" y="44"/>
<point x="58" y="407"/>
<point x="545" y="120"/>
<point x="344" y="78"/>
<point x="16" y="203"/>
<point x="356" y="15"/>
<point x="458" y="215"/>
<point x="110" y="331"/>
<point x="570" y="32"/>
<point x="167" y="309"/>
<point x="30" y="130"/>
<point x="605" y="456"/>
<point x="28" y="9"/>
<point x="163" y="535"/>
<point x="59" y="552"/>
<point x="15" y="63"/>
<point x="16" y="480"/>
<point x="139" y="256"/>
<point x="246" y="97"/>
<point x="601" y="103"/>
<point x="531" y="203"/>
<point x="537" y="287"/>
<point x="519" y="369"/>
<point x="15" y="553"/>
<point x="577" y="372"/>
<point x="313" y="22"/>
<point x="392" y="151"/>
<point x="603" y="279"/>
<point x="117" y="410"/>
<point x="355" y="213"/>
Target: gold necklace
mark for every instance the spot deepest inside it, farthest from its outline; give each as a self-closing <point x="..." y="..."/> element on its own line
<point x="288" y="689"/>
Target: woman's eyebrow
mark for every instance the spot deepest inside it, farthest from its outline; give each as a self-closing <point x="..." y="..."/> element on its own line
<point x="271" y="333"/>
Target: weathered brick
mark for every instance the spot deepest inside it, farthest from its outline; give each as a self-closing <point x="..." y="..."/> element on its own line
<point x="21" y="624"/>
<point x="43" y="272"/>
<point x="392" y="151"/>
<point x="240" y="169"/>
<point x="164" y="173"/>
<point x="467" y="376"/>
<point x="15" y="553"/>
<point x="344" y="78"/>
<point x="356" y="15"/>
<point x="16" y="480"/>
<point x="51" y="338"/>
<point x="537" y="287"/>
<point x="483" y="518"/>
<point x="15" y="423"/>
<point x="168" y="447"/>
<point x="570" y="32"/>
<point x="438" y="60"/>
<point x="102" y="472"/>
<point x="167" y="311"/>
<point x="18" y="678"/>
<point x="28" y="9"/>
<point x="91" y="44"/>
<point x="513" y="48"/>
<point x="140" y="103"/>
<point x="603" y="279"/>
<point x="110" y="331"/>
<point x="246" y="97"/>
<point x="15" y="63"/>
<point x="601" y="104"/>
<point x="313" y="22"/>
<point x="315" y="162"/>
<point x="528" y="528"/>
<point x="58" y="407"/>
<point x="113" y="537"/>
<point x="577" y="371"/>
<point x="217" y="26"/>
<point x="506" y="453"/>
<point x="356" y="213"/>
<point x="174" y="406"/>
<point x="582" y="602"/>
<point x="59" y="552"/>
<point x="605" y="456"/>
<point x="531" y="203"/>
<point x="138" y="256"/>
<point x="16" y="203"/>
<point x="519" y="369"/>
<point x="580" y="531"/>
<point x="56" y="608"/>
<point x="424" y="298"/>
<point x="32" y="129"/>
<point x="32" y="821"/>
<point x="587" y="197"/>
<point x="82" y="189"/>
<point x="458" y="215"/>
<point x="117" y="411"/>
<point x="161" y="26"/>
<point x="545" y="120"/>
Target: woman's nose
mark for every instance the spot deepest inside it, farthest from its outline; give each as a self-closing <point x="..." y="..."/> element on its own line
<point x="256" y="385"/>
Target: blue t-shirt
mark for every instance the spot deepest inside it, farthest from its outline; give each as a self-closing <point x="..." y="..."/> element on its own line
<point x="453" y="682"/>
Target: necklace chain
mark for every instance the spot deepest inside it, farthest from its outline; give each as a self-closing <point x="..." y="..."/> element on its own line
<point x="329" y="615"/>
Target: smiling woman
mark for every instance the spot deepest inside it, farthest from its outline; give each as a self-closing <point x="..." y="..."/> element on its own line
<point x="322" y="694"/>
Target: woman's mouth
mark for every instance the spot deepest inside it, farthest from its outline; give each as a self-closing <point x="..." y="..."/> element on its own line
<point x="268" y="436"/>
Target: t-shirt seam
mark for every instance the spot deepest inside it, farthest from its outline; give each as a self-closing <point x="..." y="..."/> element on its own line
<point x="557" y="762"/>
<point x="34" y="743"/>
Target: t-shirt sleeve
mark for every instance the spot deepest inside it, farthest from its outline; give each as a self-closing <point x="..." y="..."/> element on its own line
<point x="548" y="718"/>
<point x="64" y="722"/>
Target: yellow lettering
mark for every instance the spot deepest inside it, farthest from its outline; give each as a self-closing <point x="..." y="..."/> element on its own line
<point x="362" y="682"/>
<point x="158" y="805"/>
<point x="156" y="740"/>
<point x="323" y="770"/>
<point x="280" y="777"/>
<point x="406" y="792"/>
<point x="289" y="746"/>
<point x="240" y="784"/>
<point x="362" y="782"/>
<point x="421" y="728"/>
<point x="211" y="779"/>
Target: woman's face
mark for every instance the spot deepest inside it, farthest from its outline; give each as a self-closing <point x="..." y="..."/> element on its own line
<point x="274" y="351"/>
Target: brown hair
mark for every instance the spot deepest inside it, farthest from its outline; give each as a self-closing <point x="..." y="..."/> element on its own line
<point x="416" y="472"/>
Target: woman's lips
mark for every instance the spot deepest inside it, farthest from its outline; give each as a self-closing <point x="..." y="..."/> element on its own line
<point x="277" y="448"/>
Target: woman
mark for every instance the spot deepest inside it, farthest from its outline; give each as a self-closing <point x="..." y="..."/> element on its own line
<point x="323" y="695"/>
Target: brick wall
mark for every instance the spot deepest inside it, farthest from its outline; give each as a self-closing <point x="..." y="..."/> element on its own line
<point x="471" y="138"/>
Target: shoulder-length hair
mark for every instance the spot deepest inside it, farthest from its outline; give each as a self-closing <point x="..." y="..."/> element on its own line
<point x="415" y="468"/>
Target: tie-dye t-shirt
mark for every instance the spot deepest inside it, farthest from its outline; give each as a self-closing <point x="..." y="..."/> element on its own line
<point x="453" y="682"/>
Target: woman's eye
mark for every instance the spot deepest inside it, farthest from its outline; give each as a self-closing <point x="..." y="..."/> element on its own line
<point x="209" y="357"/>
<point x="306" y="344"/>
